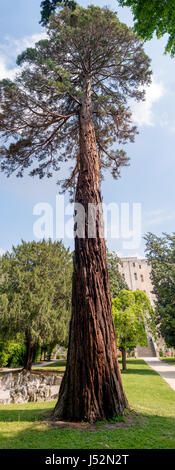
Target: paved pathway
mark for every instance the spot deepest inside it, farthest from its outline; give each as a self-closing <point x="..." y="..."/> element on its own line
<point x="166" y="371"/>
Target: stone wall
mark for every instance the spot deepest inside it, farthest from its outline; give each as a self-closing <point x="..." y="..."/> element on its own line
<point x="27" y="387"/>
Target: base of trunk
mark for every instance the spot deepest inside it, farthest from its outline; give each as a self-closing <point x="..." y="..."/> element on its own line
<point x="87" y="407"/>
<point x="91" y="388"/>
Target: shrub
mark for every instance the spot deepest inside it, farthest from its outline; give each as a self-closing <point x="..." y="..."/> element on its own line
<point x="12" y="353"/>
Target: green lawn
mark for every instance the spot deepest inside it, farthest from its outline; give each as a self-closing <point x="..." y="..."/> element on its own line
<point x="58" y="366"/>
<point x="151" y="425"/>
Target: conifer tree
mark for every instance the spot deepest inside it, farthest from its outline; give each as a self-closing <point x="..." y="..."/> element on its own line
<point x="160" y="252"/>
<point x="35" y="295"/>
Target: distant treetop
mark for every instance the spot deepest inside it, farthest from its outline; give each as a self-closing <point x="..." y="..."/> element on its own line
<point x="49" y="6"/>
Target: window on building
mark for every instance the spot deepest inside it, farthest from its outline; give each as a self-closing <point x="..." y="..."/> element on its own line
<point x="133" y="264"/>
<point x="140" y="266"/>
<point x="135" y="275"/>
<point x="142" y="277"/>
<point x="123" y="276"/>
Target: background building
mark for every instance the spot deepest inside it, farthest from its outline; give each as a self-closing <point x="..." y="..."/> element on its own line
<point x="136" y="273"/>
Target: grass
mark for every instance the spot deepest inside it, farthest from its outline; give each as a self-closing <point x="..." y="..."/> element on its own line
<point x="58" y="366"/>
<point x="169" y="360"/>
<point x="151" y="425"/>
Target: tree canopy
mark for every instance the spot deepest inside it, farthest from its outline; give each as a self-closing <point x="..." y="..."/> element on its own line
<point x="133" y="317"/>
<point x="39" y="116"/>
<point x="35" y="293"/>
<point x="160" y="252"/>
<point x="154" y="16"/>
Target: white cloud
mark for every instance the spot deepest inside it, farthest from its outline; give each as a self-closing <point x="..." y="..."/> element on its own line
<point x="2" y="251"/>
<point x="6" y="72"/>
<point x="9" y="51"/>
<point x="143" y="112"/>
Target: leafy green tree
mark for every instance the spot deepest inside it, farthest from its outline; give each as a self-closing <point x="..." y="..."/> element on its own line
<point x="154" y="16"/>
<point x="160" y="252"/>
<point x="69" y="103"/>
<point x="36" y="294"/>
<point x="133" y="315"/>
<point x="116" y="280"/>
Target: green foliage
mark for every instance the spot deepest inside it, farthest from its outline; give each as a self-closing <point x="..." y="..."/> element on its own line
<point x="35" y="292"/>
<point x="39" y="112"/>
<point x="154" y="16"/>
<point x="49" y="6"/>
<point x="160" y="252"/>
<point x="37" y="354"/>
<point x="132" y="313"/>
<point x="12" y="353"/>
<point x="117" y="282"/>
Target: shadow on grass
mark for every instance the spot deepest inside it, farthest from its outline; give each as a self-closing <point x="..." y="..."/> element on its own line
<point x="168" y="360"/>
<point x="139" y="372"/>
<point x="147" y="431"/>
<point x="59" y="363"/>
<point x="139" y="362"/>
<point x="144" y="370"/>
<point x="25" y="414"/>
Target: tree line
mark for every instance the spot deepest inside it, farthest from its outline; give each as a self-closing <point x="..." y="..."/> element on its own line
<point x="35" y="304"/>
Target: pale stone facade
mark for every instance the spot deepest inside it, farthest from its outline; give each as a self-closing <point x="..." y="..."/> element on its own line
<point x="136" y="273"/>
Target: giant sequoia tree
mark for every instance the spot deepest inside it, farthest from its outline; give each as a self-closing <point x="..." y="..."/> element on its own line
<point x="69" y="103"/>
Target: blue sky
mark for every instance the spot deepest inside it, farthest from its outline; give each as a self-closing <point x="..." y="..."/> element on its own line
<point x="148" y="181"/>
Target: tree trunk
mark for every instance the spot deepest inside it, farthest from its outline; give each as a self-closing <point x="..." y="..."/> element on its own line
<point x="91" y="388"/>
<point x="123" y="351"/>
<point x="29" y="354"/>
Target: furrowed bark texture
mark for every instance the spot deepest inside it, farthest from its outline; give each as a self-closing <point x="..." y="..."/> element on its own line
<point x="91" y="388"/>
